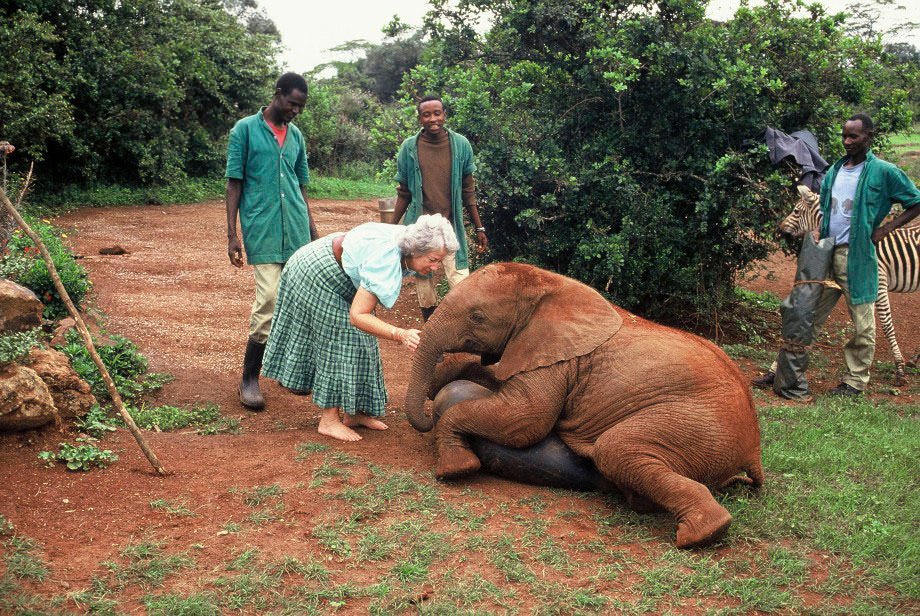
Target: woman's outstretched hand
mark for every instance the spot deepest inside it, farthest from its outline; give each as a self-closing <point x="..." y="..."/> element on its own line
<point x="407" y="337"/>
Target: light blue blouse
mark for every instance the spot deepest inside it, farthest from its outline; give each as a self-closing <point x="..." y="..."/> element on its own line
<point x="371" y="258"/>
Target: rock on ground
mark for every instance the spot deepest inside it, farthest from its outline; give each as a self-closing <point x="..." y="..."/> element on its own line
<point x="25" y="401"/>
<point x="72" y="395"/>
<point x="20" y="310"/>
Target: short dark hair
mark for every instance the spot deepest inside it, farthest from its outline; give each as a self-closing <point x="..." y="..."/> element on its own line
<point x="427" y="99"/>
<point x="866" y="121"/>
<point x="290" y="82"/>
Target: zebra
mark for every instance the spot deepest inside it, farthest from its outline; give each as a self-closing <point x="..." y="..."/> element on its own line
<point x="898" y="266"/>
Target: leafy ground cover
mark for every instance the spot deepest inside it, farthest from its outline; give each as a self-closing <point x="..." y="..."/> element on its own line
<point x="276" y="519"/>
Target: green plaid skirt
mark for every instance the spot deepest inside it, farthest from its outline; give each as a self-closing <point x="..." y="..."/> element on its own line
<point x="313" y="345"/>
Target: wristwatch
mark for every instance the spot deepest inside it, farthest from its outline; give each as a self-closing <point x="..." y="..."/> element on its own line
<point x="483" y="229"/>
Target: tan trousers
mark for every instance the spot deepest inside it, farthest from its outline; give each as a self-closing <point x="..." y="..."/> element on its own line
<point x="427" y="288"/>
<point x="267" y="276"/>
<point x="859" y="351"/>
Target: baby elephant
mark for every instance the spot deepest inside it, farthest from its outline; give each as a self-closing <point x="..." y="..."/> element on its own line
<point x="662" y="414"/>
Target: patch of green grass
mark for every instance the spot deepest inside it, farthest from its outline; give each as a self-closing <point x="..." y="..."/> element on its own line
<point x="230" y="527"/>
<point x="509" y="560"/>
<point x="762" y="301"/>
<point x="96" y="599"/>
<point x="171" y="604"/>
<point x="463" y="519"/>
<point x="64" y="198"/>
<point x="305" y="449"/>
<point x="166" y="417"/>
<point x="905" y="141"/>
<point x="223" y="425"/>
<point x="841" y="476"/>
<point x="148" y="565"/>
<point x="172" y="507"/>
<point x="759" y="354"/>
<point x="258" y="495"/>
<point x="244" y="560"/>
<point x="21" y="560"/>
<point x="333" y="537"/>
<point x="323" y="187"/>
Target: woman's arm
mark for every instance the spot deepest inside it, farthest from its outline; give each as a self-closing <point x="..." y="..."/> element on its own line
<point x="362" y="316"/>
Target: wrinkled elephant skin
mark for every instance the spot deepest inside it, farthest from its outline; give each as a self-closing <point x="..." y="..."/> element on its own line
<point x="663" y="415"/>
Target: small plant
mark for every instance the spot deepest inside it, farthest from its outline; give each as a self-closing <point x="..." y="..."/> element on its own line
<point x="224" y="425"/>
<point x="15" y="347"/>
<point x="80" y="457"/>
<point x="96" y="422"/>
<point x="762" y="301"/>
<point x="123" y="361"/>
<point x="179" y="508"/>
<point x="25" y="265"/>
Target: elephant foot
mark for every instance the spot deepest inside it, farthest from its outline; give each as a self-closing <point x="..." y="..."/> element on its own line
<point x="454" y="461"/>
<point x="702" y="527"/>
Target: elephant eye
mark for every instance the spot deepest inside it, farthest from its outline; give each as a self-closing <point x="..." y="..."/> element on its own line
<point x="477" y="317"/>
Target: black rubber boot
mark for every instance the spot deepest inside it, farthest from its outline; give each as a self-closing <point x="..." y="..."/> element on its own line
<point x="250" y="394"/>
<point x="766" y="381"/>
<point x="427" y="311"/>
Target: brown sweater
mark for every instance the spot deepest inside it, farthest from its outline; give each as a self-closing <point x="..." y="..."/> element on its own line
<point x="434" y="160"/>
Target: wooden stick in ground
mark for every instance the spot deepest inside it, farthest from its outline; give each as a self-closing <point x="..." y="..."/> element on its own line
<point x="84" y="332"/>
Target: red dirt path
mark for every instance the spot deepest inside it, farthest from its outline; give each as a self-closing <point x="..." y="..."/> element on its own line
<point x="176" y="295"/>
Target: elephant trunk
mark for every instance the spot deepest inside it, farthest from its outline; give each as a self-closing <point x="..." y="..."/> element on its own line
<point x="427" y="355"/>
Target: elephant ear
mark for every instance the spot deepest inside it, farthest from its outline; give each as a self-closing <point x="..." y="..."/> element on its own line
<point x="570" y="320"/>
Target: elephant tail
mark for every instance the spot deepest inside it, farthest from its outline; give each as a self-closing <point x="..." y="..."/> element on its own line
<point x="751" y="474"/>
<point x="754" y="470"/>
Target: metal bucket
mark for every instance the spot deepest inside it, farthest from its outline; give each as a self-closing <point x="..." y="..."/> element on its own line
<point x="386" y="207"/>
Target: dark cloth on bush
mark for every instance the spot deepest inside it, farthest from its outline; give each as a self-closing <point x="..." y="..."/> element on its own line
<point x="802" y="147"/>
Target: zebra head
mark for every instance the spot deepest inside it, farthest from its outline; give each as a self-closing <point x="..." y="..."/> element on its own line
<point x="805" y="216"/>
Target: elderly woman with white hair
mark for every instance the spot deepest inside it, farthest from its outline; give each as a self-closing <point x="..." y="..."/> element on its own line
<point x="324" y="330"/>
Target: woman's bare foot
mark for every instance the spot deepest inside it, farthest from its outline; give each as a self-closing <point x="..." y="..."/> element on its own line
<point x="365" y="421"/>
<point x="331" y="425"/>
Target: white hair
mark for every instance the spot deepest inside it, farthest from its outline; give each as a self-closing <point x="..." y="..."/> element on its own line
<point x="429" y="233"/>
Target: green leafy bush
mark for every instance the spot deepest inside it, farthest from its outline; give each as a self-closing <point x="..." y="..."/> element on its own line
<point x="16" y="346"/>
<point x="622" y="143"/>
<point x="80" y="457"/>
<point x="124" y="362"/>
<point x="96" y="422"/>
<point x="24" y="264"/>
<point x="169" y="79"/>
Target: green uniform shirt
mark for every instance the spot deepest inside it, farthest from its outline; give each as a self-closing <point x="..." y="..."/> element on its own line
<point x="273" y="213"/>
<point x="881" y="184"/>
<point x="409" y="173"/>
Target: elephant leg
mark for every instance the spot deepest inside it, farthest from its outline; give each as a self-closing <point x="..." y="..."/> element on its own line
<point x="520" y="414"/>
<point x="462" y="366"/>
<point x="630" y="456"/>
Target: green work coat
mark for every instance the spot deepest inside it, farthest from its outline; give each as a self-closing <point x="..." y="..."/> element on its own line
<point x="880" y="185"/>
<point x="409" y="173"/>
<point x="273" y="213"/>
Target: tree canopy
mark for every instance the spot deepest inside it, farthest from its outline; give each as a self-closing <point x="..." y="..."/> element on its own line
<point x="621" y="141"/>
<point x="132" y="91"/>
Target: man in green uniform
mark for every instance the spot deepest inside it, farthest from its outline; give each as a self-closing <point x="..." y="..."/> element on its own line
<point x="856" y="195"/>
<point x="434" y="172"/>
<point x="267" y="176"/>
